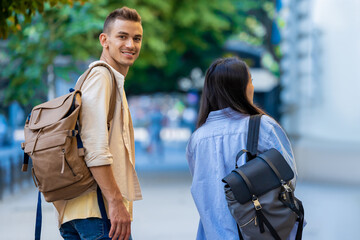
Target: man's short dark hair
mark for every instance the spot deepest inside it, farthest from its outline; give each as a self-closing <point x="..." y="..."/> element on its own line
<point x="123" y="13"/>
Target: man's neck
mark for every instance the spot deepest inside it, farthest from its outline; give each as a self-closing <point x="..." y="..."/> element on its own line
<point x="115" y="65"/>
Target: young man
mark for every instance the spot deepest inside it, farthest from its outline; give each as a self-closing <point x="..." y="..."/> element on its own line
<point x="109" y="153"/>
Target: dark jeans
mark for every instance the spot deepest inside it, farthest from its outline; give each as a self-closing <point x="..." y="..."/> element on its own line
<point x="85" y="229"/>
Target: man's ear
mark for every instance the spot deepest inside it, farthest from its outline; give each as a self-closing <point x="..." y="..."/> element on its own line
<point x="103" y="40"/>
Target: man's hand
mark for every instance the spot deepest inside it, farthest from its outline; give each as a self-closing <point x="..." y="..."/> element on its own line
<point x="119" y="216"/>
<point x="120" y="221"/>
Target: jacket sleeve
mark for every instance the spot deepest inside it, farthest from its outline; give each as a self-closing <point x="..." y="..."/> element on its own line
<point x="96" y="93"/>
<point x="277" y="138"/>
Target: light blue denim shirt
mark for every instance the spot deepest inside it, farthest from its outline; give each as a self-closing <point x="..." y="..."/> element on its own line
<point x="211" y="153"/>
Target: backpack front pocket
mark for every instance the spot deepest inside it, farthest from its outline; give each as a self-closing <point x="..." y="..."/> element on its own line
<point x="53" y="172"/>
<point x="52" y="169"/>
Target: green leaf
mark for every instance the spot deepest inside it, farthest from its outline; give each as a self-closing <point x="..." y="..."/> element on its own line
<point x="178" y="36"/>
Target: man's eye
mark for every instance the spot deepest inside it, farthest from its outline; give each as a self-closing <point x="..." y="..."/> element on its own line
<point x="137" y="39"/>
<point x="122" y="37"/>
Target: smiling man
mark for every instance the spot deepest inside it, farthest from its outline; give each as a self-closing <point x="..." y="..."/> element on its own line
<point x="109" y="148"/>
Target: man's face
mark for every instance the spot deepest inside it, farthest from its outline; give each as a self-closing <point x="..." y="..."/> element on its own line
<point x="124" y="42"/>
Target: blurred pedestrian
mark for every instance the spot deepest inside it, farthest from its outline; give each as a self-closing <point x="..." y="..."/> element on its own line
<point x="226" y="104"/>
<point x="3" y="129"/>
<point x="155" y="125"/>
<point x="189" y="118"/>
<point x="109" y="153"/>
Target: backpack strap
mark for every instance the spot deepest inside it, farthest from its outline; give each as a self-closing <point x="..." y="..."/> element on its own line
<point x="241" y="237"/>
<point x="38" y="218"/>
<point x="102" y="208"/>
<point x="252" y="139"/>
<point x="296" y="206"/>
<point x="253" y="135"/>
<point x="251" y="150"/>
<point x="113" y="92"/>
<point x="252" y="144"/>
<point x="301" y="220"/>
<point x="38" y="221"/>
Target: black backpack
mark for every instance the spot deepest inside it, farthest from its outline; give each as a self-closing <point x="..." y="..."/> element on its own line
<point x="259" y="192"/>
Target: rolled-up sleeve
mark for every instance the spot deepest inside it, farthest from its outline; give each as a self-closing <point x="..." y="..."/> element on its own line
<point x="96" y="93"/>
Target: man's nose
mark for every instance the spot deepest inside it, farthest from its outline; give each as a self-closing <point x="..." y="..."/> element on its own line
<point x="130" y="43"/>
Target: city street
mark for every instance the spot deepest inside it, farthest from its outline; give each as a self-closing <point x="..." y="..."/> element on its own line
<point x="294" y="59"/>
<point x="168" y="213"/>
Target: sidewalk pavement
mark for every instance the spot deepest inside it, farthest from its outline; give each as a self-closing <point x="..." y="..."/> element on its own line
<point x="168" y="212"/>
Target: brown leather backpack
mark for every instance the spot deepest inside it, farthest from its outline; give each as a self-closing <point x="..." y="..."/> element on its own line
<point x="52" y="141"/>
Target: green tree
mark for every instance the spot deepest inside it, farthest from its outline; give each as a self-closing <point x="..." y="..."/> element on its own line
<point x="178" y="36"/>
<point x="61" y="30"/>
<point x="259" y="18"/>
<point x="14" y="11"/>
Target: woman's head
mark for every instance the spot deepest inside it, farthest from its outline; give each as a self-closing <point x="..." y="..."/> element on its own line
<point x="228" y="83"/>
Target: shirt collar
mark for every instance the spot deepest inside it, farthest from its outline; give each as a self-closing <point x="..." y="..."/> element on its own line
<point x="222" y="114"/>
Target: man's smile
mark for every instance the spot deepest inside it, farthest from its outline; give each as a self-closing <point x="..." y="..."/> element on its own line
<point x="128" y="53"/>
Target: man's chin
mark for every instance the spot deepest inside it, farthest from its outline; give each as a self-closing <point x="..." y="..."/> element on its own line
<point x="127" y="63"/>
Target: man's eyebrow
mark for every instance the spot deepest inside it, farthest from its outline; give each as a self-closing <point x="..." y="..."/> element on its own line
<point x="124" y="33"/>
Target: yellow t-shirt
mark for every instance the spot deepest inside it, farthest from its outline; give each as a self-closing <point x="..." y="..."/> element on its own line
<point x="86" y="206"/>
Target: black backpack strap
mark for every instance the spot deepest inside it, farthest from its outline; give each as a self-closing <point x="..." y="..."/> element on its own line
<point x="251" y="147"/>
<point x="252" y="144"/>
<point x="263" y="221"/>
<point x="296" y="206"/>
<point x="301" y="220"/>
<point x="102" y="208"/>
<point x="25" y="162"/>
<point x="38" y="218"/>
<point x="253" y="135"/>
<point x="252" y="139"/>
<point x="241" y="237"/>
<point x="259" y="214"/>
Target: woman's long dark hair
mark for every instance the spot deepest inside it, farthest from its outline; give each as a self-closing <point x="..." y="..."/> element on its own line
<point x="225" y="86"/>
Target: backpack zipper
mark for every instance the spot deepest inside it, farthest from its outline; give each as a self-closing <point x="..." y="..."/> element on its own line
<point x="63" y="164"/>
<point x="252" y="219"/>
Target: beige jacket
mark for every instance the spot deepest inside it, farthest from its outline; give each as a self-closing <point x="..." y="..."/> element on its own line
<point x="103" y="147"/>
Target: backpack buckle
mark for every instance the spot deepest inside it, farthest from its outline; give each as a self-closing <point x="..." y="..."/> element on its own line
<point x="286" y="186"/>
<point x="72" y="133"/>
<point x="256" y="203"/>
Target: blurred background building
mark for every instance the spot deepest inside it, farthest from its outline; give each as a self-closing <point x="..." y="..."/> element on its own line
<point x="303" y="57"/>
<point x="320" y="87"/>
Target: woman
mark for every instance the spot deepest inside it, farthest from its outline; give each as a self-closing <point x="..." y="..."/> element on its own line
<point x="226" y="104"/>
